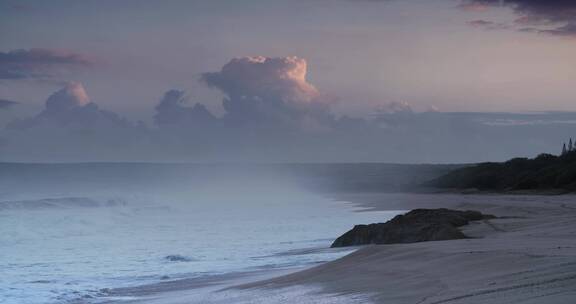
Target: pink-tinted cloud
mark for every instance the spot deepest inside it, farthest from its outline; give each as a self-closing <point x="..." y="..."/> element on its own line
<point x="265" y="78"/>
<point x="73" y="95"/>
<point x="266" y="90"/>
<point x="71" y="106"/>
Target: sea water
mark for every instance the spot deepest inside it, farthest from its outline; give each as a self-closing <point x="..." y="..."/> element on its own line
<point x="63" y="240"/>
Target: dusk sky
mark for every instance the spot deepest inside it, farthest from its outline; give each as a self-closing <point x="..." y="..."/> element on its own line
<point x="354" y="58"/>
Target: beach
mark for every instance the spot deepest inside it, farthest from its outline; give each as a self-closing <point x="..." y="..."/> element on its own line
<point x="527" y="255"/>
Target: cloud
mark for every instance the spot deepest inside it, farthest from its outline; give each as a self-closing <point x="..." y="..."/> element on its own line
<point x="73" y="128"/>
<point x="473" y="7"/>
<point x="40" y="63"/>
<point x="267" y="90"/>
<point x="556" y="17"/>
<point x="395" y="108"/>
<point x="16" y="6"/>
<point x="273" y="125"/>
<point x="488" y="25"/>
<point x="5" y="104"/>
<point x="274" y="79"/>
<point x="527" y="122"/>
<point x="568" y="30"/>
<point x="72" y="96"/>
<point x="393" y="114"/>
<point x="70" y="106"/>
<point x="172" y="111"/>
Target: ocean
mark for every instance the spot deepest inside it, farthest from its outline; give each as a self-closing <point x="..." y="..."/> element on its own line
<point x="69" y="232"/>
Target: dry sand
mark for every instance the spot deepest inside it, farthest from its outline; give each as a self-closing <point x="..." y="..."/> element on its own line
<point x="526" y="256"/>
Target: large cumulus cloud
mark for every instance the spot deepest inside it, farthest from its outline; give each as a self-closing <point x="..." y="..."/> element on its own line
<point x="40" y="63"/>
<point x="267" y="90"/>
<point x="275" y="79"/>
<point x="556" y="17"/>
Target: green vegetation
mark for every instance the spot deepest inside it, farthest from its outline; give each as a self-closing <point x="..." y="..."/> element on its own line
<point x="541" y="173"/>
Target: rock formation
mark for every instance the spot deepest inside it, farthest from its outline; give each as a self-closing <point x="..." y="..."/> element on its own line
<point x="419" y="225"/>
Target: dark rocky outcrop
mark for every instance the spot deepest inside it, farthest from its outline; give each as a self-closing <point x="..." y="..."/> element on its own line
<point x="419" y="225"/>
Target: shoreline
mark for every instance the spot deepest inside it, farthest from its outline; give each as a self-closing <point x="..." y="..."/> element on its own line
<point x="528" y="255"/>
<point x="171" y="290"/>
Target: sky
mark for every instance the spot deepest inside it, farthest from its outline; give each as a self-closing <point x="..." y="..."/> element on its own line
<point x="317" y="80"/>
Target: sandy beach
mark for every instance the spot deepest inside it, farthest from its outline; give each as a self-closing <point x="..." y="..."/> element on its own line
<point x="528" y="255"/>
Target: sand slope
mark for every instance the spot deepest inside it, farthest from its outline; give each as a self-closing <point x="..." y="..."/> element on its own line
<point x="529" y="256"/>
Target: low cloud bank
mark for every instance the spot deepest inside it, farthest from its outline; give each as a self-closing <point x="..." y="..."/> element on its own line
<point x="273" y="114"/>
